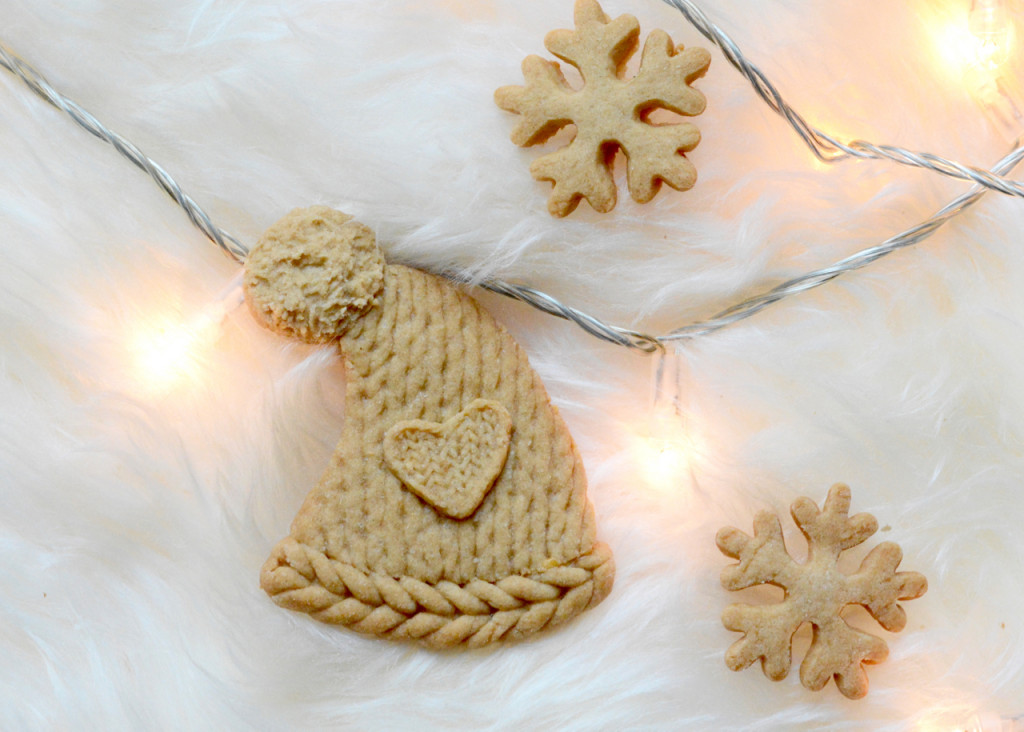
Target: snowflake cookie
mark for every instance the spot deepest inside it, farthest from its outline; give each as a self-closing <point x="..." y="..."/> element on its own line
<point x="609" y="112"/>
<point x="816" y="593"/>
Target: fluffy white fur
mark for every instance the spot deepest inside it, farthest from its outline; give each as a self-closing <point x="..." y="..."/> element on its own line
<point x="133" y="522"/>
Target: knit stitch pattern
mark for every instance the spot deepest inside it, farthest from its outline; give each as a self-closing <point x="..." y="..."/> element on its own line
<point x="422" y="354"/>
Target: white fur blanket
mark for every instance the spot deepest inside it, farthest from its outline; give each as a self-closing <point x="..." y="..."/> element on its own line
<point x="134" y="520"/>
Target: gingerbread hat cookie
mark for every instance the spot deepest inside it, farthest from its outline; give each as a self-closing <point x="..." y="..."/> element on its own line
<point x="454" y="509"/>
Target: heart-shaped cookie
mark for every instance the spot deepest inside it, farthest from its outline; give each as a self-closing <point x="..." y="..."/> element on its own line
<point x="451" y="465"/>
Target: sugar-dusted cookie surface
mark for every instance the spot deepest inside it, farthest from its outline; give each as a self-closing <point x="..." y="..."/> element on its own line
<point x="454" y="508"/>
<point x="816" y="593"/>
<point x="608" y="112"/>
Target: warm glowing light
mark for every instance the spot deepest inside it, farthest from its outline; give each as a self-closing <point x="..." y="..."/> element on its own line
<point x="961" y="50"/>
<point x="665" y="448"/>
<point x="989" y="23"/>
<point x="664" y="462"/>
<point x="170" y="351"/>
<point x="976" y="48"/>
<point x="981" y="41"/>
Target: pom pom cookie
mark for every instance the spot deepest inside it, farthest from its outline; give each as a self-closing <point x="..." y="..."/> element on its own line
<point x="454" y="509"/>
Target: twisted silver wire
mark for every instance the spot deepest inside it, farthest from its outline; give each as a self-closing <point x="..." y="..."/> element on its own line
<point x="861" y="259"/>
<point x="742" y="310"/>
<point x="824" y="146"/>
<point x="37" y="83"/>
<point x="597" y="328"/>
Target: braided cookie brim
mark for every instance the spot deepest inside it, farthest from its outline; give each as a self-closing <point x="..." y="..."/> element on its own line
<point x="441" y="615"/>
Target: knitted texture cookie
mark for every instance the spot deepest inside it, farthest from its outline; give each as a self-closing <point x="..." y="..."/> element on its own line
<point x="609" y="112"/>
<point x="454" y="508"/>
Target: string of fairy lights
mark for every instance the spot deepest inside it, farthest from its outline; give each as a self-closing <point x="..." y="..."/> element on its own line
<point x="830" y="149"/>
<point x="987" y="20"/>
<point x="989" y="23"/>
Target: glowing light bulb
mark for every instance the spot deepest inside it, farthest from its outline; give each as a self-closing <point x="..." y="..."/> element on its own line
<point x="989" y="23"/>
<point x="167" y="354"/>
<point x="980" y="51"/>
<point x="168" y="351"/>
<point x="982" y="44"/>
<point x="665" y="449"/>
